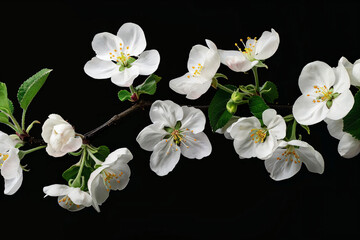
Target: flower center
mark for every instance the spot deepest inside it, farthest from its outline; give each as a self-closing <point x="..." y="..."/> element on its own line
<point x="289" y="155"/>
<point x="178" y="136"/>
<point x="196" y="70"/>
<point x="248" y="50"/>
<point x="121" y="58"/>
<point x="3" y="158"/>
<point x="258" y="135"/>
<point x="108" y="177"/>
<point x="323" y="94"/>
<point x="67" y="201"/>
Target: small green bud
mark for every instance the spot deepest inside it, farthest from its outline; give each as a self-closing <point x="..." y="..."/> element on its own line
<point x="231" y="106"/>
<point x="236" y="97"/>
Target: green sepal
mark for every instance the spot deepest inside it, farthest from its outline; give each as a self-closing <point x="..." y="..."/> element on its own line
<point x="168" y="129"/>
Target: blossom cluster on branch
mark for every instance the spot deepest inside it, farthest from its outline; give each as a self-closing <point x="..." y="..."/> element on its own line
<point x="326" y="95"/>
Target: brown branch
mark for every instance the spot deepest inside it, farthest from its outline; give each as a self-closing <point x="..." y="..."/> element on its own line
<point x="112" y="121"/>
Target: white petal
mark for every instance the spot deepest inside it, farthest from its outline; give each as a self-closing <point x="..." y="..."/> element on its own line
<point x="166" y="113"/>
<point x="341" y="105"/>
<point x="267" y="45"/>
<point x="211" y="65"/>
<point x="148" y="62"/>
<point x="198" y="89"/>
<point x="316" y="74"/>
<point x="53" y="152"/>
<point x="275" y="123"/>
<point x="225" y="128"/>
<point x="164" y="158"/>
<point x="335" y="127"/>
<point x="197" y="55"/>
<point x="211" y="45"/>
<point x="122" y="172"/>
<point x="49" y="124"/>
<point x="104" y="44"/>
<point x="244" y="147"/>
<point x="280" y="166"/>
<point x="80" y="197"/>
<point x="126" y="77"/>
<point x="11" y="165"/>
<point x="120" y="155"/>
<point x="355" y="76"/>
<point x="242" y="128"/>
<point x="193" y="119"/>
<point x="342" y="80"/>
<point x="307" y="112"/>
<point x="99" y="69"/>
<point x="264" y="150"/>
<point x="97" y="187"/>
<point x="13" y="184"/>
<point x="56" y="190"/>
<point x="348" y="146"/>
<point x="133" y="37"/>
<point x="235" y="60"/>
<point x="312" y="159"/>
<point x="72" y="145"/>
<point x="196" y="146"/>
<point x="150" y="136"/>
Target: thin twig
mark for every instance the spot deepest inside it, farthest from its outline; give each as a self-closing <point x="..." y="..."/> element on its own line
<point x="116" y="118"/>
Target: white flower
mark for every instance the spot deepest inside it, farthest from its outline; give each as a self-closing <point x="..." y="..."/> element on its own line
<point x="353" y="70"/>
<point x="348" y="146"/>
<point x="175" y="130"/>
<point x="122" y="57"/>
<point x="325" y="93"/>
<point x="253" y="140"/>
<point x="288" y="158"/>
<point x="113" y="174"/>
<point x="10" y="164"/>
<point x="59" y="136"/>
<point x="224" y="129"/>
<point x="70" y="198"/>
<point x="202" y="66"/>
<point x="254" y="52"/>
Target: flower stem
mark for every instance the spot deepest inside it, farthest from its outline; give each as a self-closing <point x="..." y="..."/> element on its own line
<point x="22" y="153"/>
<point x="23" y="119"/>
<point x="293" y="131"/>
<point x="77" y="181"/>
<point x="222" y="87"/>
<point x="132" y="89"/>
<point x="256" y="77"/>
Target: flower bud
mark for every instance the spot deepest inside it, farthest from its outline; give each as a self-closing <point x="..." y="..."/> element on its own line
<point x="231" y="106"/>
<point x="236" y="97"/>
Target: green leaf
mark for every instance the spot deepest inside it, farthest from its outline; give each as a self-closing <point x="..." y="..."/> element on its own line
<point x="124" y="95"/>
<point x="102" y="153"/>
<point x="352" y="119"/>
<point x="257" y="106"/>
<point x="149" y="85"/>
<point x="5" y="104"/>
<point x="31" y="86"/>
<point x="217" y="112"/>
<point x="269" y="92"/>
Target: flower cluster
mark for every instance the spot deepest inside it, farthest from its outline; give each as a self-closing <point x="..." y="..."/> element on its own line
<point x="326" y="95"/>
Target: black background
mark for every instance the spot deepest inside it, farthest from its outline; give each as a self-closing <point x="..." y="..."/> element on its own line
<point x="218" y="197"/>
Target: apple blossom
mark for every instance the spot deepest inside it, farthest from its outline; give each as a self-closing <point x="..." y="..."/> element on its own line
<point x="121" y="57"/>
<point x="253" y="140"/>
<point x="254" y="52"/>
<point x="202" y="66"/>
<point x="59" y="136"/>
<point x="112" y="174"/>
<point x="70" y="198"/>
<point x="10" y="164"/>
<point x="175" y="130"/>
<point x="348" y="146"/>
<point x="288" y="158"/>
<point x="353" y="70"/>
<point x="325" y="93"/>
